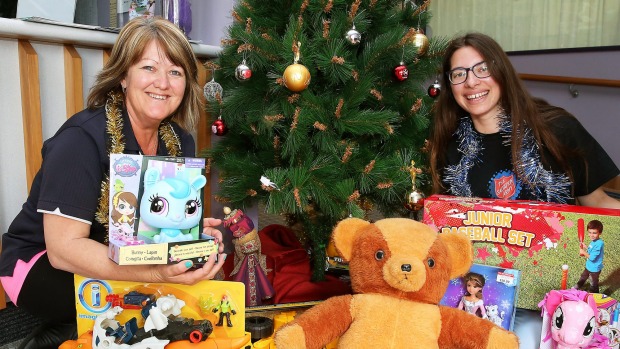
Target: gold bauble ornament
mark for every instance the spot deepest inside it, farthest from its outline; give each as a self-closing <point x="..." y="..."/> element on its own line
<point x="296" y="77"/>
<point x="421" y="42"/>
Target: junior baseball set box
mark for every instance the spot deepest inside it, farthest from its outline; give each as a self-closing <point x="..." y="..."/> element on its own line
<point x="156" y="210"/>
<point x="541" y="240"/>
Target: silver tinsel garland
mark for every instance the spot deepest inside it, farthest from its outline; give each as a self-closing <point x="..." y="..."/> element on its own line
<point x="545" y="185"/>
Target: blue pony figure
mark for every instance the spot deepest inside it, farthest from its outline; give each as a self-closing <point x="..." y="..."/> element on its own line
<point x="171" y="204"/>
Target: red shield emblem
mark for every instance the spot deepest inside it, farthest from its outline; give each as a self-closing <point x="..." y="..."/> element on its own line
<point x="505" y="187"/>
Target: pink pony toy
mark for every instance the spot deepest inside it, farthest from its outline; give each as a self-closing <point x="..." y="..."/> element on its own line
<point x="569" y="319"/>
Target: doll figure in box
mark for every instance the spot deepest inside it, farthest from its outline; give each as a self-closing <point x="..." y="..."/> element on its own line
<point x="250" y="265"/>
<point x="472" y="301"/>
<point x="123" y="212"/>
<point x="171" y="205"/>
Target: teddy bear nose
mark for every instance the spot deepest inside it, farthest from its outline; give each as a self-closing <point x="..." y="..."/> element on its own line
<point x="405" y="267"/>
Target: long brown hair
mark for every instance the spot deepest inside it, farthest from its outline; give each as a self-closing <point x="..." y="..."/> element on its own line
<point x="524" y="110"/>
<point x="128" y="49"/>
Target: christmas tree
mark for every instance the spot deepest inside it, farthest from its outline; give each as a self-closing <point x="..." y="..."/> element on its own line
<point x="323" y="109"/>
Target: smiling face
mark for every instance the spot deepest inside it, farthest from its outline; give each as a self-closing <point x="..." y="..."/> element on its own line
<point x="154" y="86"/>
<point x="477" y="96"/>
<point x="594" y="234"/>
<point x="473" y="287"/>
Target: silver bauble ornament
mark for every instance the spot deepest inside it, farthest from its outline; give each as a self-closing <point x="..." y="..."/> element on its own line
<point x="212" y="90"/>
<point x="353" y="36"/>
<point x="243" y="72"/>
<point x="415" y="200"/>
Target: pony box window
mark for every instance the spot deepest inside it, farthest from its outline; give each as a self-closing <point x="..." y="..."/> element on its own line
<point x="156" y="210"/>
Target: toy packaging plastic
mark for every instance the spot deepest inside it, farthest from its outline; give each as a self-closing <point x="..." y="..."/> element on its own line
<point x="499" y="293"/>
<point x="156" y="210"/>
<point x="122" y="312"/>
<point x="533" y="237"/>
<point x="578" y="319"/>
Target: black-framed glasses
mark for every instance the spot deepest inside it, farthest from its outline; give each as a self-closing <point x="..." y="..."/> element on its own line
<point x="459" y="75"/>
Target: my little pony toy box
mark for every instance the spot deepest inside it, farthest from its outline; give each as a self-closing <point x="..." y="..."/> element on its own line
<point x="156" y="210"/>
<point x="536" y="238"/>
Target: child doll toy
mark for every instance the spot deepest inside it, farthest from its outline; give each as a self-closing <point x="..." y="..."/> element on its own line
<point x="399" y="269"/>
<point x="250" y="264"/>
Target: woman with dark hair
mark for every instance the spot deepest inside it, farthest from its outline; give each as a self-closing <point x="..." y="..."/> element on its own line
<point x="490" y="138"/>
<point x="146" y="100"/>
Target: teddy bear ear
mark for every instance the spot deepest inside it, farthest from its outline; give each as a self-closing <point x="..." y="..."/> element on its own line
<point x="344" y="233"/>
<point x="461" y="252"/>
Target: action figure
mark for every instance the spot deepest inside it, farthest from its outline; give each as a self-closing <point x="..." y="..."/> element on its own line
<point x="250" y="265"/>
<point x="225" y="308"/>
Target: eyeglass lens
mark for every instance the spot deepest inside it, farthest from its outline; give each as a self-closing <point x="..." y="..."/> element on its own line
<point x="459" y="75"/>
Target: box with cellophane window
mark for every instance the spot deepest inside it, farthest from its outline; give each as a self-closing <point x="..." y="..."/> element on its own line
<point x="123" y="314"/>
<point x="156" y="210"/>
<point x="542" y="240"/>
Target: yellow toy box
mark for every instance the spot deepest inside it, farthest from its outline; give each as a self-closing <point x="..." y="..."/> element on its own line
<point x="123" y="314"/>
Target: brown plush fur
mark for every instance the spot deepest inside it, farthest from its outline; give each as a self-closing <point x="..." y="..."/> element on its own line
<point x="399" y="271"/>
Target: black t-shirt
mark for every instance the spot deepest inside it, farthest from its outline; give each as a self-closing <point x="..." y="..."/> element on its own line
<point x="492" y="175"/>
<point x="75" y="160"/>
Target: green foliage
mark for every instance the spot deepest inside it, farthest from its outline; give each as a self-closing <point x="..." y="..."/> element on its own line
<point x="342" y="146"/>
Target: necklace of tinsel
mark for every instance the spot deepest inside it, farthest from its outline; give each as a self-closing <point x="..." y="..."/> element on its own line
<point x="546" y="185"/>
<point x="116" y="145"/>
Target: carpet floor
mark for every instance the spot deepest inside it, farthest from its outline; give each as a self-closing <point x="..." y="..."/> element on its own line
<point x="15" y="325"/>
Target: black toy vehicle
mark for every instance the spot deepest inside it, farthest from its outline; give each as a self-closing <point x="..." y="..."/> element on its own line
<point x="179" y="328"/>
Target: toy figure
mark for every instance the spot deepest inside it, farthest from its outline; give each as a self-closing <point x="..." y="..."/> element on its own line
<point x="225" y="308"/>
<point x="150" y="9"/>
<point x="250" y="265"/>
<point x="133" y="12"/>
<point x="494" y="314"/>
<point x="472" y="300"/>
<point x="570" y="318"/>
<point x="171" y="204"/>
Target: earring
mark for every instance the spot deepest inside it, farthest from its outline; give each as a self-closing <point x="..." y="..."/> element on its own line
<point x="123" y="88"/>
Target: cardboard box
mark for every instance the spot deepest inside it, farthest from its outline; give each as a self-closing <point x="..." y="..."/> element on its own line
<point x="97" y="298"/>
<point x="533" y="237"/>
<point x="156" y="210"/>
<point x="499" y="293"/>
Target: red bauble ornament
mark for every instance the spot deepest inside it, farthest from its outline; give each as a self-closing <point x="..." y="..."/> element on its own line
<point x="401" y="72"/>
<point x="218" y="127"/>
<point x="434" y="90"/>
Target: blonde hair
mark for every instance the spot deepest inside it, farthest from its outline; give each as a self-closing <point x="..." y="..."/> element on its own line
<point x="127" y="51"/>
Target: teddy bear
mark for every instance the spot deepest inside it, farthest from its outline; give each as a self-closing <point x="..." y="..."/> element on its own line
<point x="399" y="270"/>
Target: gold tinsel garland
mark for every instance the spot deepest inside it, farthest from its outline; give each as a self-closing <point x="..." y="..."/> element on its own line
<point x="116" y="145"/>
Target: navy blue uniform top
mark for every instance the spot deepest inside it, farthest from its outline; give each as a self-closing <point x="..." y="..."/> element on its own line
<point x="75" y="161"/>
<point x="494" y="167"/>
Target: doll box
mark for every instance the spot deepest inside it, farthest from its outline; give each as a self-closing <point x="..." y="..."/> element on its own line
<point x="121" y="301"/>
<point x="156" y="212"/>
<point x="533" y="237"/>
<point x="499" y="293"/>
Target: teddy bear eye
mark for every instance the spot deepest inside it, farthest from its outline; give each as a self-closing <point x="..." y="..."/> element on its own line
<point x="430" y="262"/>
<point x="379" y="255"/>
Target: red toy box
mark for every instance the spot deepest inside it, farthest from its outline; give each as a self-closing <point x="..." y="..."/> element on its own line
<point x="536" y="238"/>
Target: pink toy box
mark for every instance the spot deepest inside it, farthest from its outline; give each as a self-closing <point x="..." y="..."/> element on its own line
<point x="156" y="210"/>
<point x="533" y="237"/>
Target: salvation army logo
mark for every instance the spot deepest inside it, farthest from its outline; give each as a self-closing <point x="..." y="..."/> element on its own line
<point x="504" y="185"/>
<point x="92" y="295"/>
<point x="126" y="167"/>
